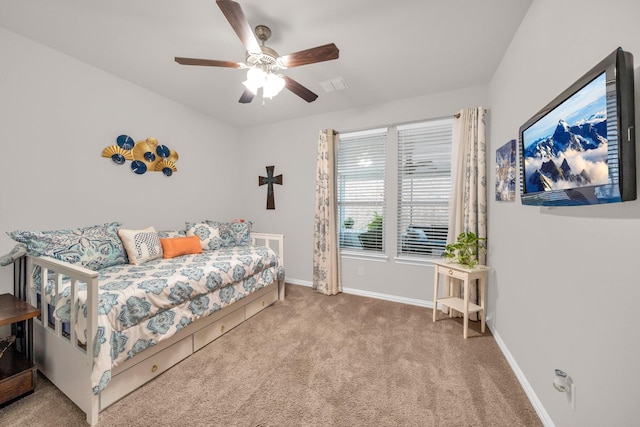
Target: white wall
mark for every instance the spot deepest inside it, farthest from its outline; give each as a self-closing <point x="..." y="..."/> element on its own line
<point x="292" y="147"/>
<point x="57" y="115"/>
<point x="565" y="290"/>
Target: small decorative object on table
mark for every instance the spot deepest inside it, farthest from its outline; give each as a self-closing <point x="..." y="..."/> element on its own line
<point x="5" y="343"/>
<point x="466" y="249"/>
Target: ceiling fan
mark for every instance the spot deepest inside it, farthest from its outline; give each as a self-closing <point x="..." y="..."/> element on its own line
<point x="262" y="62"/>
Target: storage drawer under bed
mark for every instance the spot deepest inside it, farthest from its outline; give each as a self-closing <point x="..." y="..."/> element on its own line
<point x="210" y="332"/>
<point x="262" y="302"/>
<point x="130" y="379"/>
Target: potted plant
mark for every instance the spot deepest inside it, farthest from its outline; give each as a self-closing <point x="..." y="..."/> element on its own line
<point x="372" y="238"/>
<point x="376" y="223"/>
<point x="466" y="249"/>
<point x="348" y="223"/>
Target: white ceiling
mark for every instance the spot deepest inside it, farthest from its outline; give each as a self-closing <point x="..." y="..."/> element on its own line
<point x="389" y="50"/>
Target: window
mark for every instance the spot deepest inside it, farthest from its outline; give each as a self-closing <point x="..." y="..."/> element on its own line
<point x="424" y="186"/>
<point x="361" y="190"/>
<point x="421" y="176"/>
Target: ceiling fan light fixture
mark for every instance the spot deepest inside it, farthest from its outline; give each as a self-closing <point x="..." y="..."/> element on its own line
<point x="273" y="85"/>
<point x="256" y="78"/>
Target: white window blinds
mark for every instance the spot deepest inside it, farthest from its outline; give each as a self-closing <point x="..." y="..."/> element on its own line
<point x="361" y="192"/>
<point x="424" y="186"/>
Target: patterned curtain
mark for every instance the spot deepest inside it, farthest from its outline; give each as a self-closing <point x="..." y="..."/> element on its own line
<point x="468" y="204"/>
<point x="326" y="254"/>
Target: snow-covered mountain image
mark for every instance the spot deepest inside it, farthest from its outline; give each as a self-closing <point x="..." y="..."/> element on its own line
<point x="568" y="147"/>
<point x="574" y="156"/>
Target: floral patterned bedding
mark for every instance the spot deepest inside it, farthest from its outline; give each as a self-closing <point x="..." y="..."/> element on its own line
<point x="142" y="305"/>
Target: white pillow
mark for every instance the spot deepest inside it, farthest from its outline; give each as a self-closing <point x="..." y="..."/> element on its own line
<point x="141" y="245"/>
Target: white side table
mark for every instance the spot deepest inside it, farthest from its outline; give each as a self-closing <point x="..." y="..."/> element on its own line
<point x="461" y="304"/>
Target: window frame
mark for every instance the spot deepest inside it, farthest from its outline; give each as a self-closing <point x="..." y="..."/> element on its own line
<point x="423" y="187"/>
<point x="365" y="200"/>
<point x="393" y="202"/>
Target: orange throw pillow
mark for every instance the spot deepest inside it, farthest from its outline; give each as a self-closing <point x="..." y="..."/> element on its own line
<point x="176" y="246"/>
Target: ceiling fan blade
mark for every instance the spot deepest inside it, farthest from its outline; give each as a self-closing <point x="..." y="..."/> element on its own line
<point x="299" y="90"/>
<point x="233" y="12"/>
<point x="247" y="97"/>
<point x="326" y="52"/>
<point x="207" y="62"/>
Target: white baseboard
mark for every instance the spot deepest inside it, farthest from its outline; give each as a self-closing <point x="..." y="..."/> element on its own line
<point x="298" y="282"/>
<point x="533" y="398"/>
<point x="387" y="297"/>
<point x="376" y="295"/>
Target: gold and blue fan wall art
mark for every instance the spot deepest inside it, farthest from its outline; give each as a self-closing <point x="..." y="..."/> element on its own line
<point x="145" y="155"/>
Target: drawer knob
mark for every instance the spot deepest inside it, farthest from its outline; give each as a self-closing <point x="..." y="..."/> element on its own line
<point x="450" y="272"/>
<point x="263" y="303"/>
<point x="222" y="328"/>
<point x="154" y="368"/>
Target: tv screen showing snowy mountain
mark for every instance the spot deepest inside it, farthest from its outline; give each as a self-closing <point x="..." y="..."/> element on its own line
<point x="567" y="148"/>
<point x="580" y="149"/>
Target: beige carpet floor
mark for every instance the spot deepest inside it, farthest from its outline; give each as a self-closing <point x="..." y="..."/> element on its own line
<point x="314" y="360"/>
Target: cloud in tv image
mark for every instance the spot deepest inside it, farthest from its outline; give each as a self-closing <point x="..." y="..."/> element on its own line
<point x="567" y="148"/>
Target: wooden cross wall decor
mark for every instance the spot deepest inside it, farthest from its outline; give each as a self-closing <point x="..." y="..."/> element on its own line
<point x="270" y="180"/>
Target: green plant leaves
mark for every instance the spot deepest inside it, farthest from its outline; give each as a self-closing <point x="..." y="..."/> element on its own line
<point x="466" y="249"/>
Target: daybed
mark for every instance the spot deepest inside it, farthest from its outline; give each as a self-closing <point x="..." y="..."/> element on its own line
<point x="142" y="311"/>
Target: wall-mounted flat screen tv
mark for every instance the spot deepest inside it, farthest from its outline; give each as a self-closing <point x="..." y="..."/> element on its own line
<point x="580" y="148"/>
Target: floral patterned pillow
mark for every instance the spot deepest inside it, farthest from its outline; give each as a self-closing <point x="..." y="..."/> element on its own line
<point x="232" y="233"/>
<point x="209" y="237"/>
<point x="93" y="247"/>
<point x="215" y="235"/>
<point x="169" y="234"/>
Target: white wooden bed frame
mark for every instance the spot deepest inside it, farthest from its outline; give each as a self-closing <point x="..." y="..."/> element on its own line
<point x="68" y="366"/>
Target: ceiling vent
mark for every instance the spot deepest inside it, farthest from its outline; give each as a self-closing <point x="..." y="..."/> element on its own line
<point x="332" y="85"/>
